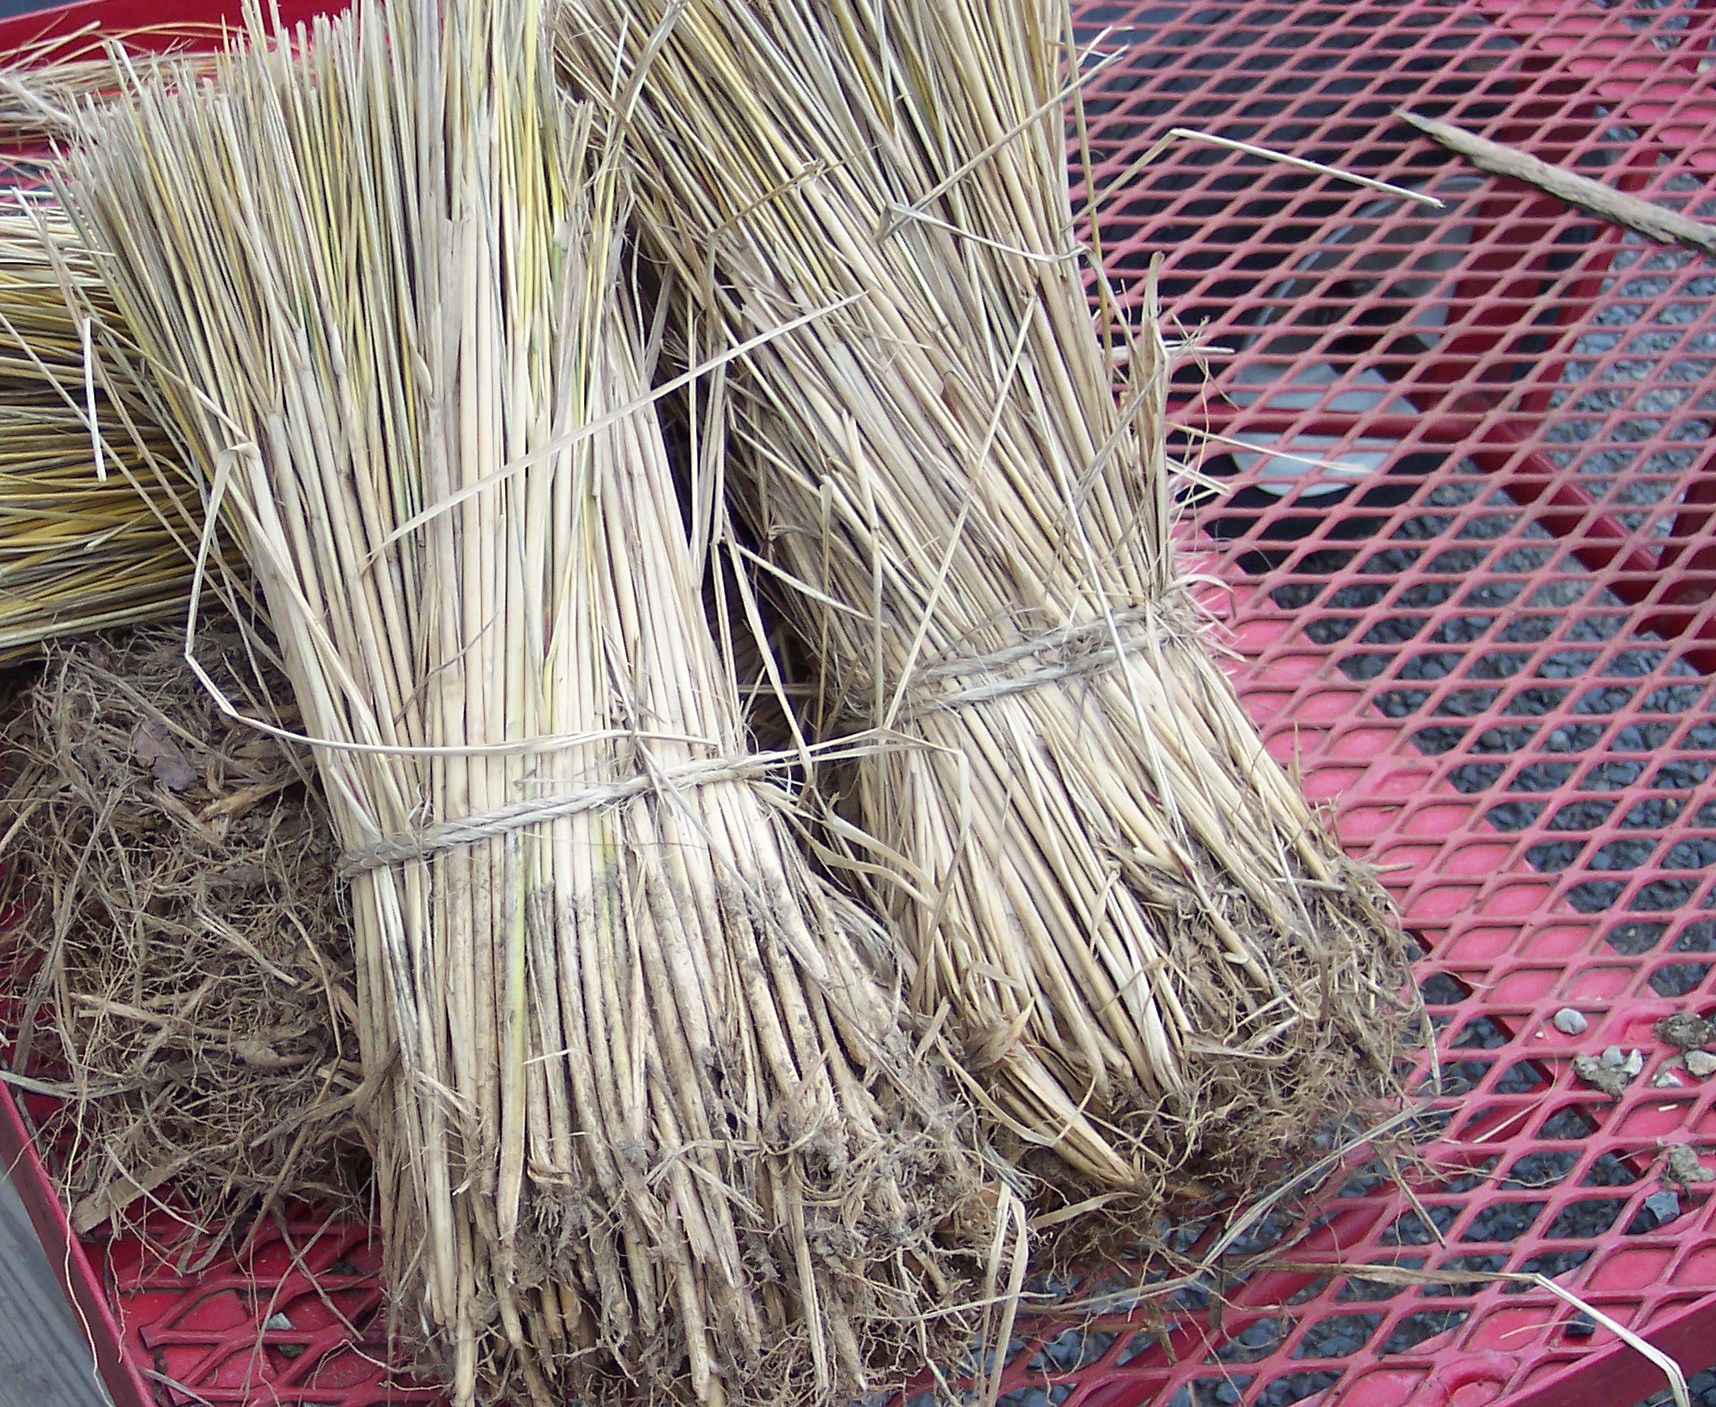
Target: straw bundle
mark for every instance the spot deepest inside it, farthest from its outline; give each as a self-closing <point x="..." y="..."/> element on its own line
<point x="46" y="86"/>
<point x="646" y="1119"/>
<point x="1157" y="963"/>
<point x="92" y="506"/>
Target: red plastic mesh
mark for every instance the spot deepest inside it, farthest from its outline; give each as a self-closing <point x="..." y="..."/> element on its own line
<point x="1460" y="490"/>
<point x="311" y="1287"/>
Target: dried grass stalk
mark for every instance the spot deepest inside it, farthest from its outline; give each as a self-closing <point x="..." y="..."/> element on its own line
<point x="178" y="942"/>
<point x="1159" y="966"/>
<point x="95" y="513"/>
<point x="47" y="85"/>
<point x="647" y="1121"/>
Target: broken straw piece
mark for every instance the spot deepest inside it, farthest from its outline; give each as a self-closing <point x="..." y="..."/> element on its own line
<point x="1655" y="221"/>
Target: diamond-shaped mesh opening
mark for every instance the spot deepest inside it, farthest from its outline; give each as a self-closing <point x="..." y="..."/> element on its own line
<point x="1548" y="1168"/>
<point x="1586" y="1219"/>
<point x="1609" y="1170"/>
<point x="1256" y="1340"/>
<point x="1050" y="1395"/>
<point x="1213" y="1392"/>
<point x="1338" y="1336"/>
<point x="1071" y="1350"/>
<point x="1574" y="1122"/>
<point x="1482" y="1032"/>
<point x="1503" y="1221"/>
<point x="1469" y="1175"/>
<point x="1296" y="1387"/>
<point x="1677" y="979"/>
<point x="1414" y="1329"/>
<point x="1411" y="1228"/>
<point x="1525" y="1077"/>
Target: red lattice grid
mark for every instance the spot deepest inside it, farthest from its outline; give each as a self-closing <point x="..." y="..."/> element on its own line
<point x="1461" y="488"/>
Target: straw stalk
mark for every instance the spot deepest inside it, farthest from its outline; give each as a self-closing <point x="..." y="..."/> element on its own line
<point x="95" y="513"/>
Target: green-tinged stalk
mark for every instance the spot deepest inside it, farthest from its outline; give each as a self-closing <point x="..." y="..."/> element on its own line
<point x="96" y="514"/>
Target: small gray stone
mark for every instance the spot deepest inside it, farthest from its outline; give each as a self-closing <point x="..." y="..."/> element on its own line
<point x="1634" y="1066"/>
<point x="1667" y="1079"/>
<point x="1570" y="1022"/>
<point x="1701" y="1063"/>
<point x="1664" y="1204"/>
<point x="1613" y="1058"/>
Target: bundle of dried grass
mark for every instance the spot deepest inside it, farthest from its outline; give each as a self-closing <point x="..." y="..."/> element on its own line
<point x="179" y="947"/>
<point x="646" y="1120"/>
<point x="46" y="86"/>
<point x="1160" y="968"/>
<point x="95" y="514"/>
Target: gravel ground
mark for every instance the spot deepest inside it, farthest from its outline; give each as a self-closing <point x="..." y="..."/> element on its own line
<point x="1703" y="1389"/>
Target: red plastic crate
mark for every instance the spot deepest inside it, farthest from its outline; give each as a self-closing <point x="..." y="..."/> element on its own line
<point x="1485" y="637"/>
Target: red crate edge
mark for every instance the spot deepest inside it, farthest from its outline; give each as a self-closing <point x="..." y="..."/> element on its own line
<point x="67" y="1257"/>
